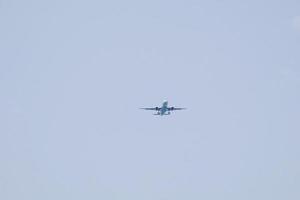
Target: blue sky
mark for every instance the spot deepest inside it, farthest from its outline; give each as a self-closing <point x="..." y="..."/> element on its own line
<point x="74" y="73"/>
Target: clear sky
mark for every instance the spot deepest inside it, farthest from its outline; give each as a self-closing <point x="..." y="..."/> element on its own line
<point x="74" y="73"/>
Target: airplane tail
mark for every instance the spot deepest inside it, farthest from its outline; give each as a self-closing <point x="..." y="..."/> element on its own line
<point x="162" y="114"/>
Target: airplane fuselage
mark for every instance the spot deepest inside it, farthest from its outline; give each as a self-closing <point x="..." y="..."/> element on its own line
<point x="164" y="109"/>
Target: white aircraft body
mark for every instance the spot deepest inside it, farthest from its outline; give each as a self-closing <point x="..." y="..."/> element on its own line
<point x="164" y="109"/>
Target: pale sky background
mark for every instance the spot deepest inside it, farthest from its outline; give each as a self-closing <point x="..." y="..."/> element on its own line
<point x="74" y="73"/>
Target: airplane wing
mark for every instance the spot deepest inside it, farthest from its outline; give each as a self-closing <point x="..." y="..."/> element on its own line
<point x="173" y="108"/>
<point x="155" y="108"/>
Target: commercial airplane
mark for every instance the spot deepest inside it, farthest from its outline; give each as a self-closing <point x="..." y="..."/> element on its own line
<point x="164" y="109"/>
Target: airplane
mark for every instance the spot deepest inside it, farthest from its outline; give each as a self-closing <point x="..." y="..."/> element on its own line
<point x="164" y="109"/>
